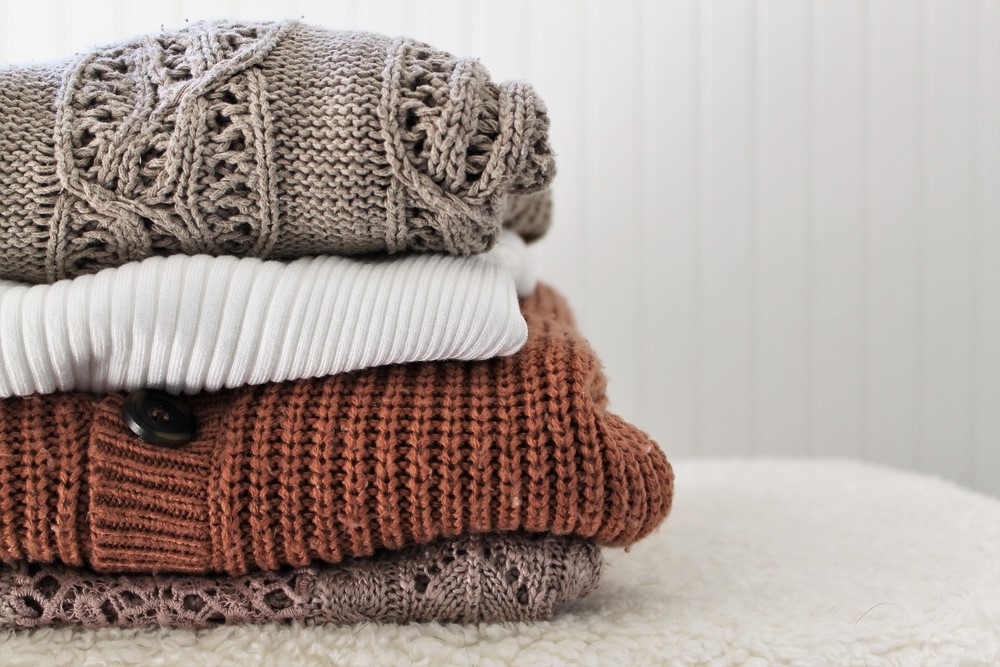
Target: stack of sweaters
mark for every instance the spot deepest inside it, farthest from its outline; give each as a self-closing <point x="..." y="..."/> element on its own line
<point x="271" y="347"/>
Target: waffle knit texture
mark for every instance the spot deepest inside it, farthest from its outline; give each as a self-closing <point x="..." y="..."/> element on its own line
<point x="190" y="324"/>
<point x="275" y="140"/>
<point x="471" y="579"/>
<point x="341" y="466"/>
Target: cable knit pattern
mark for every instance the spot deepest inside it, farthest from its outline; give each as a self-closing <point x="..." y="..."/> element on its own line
<point x="189" y="324"/>
<point x="273" y="140"/>
<point x="472" y="579"/>
<point x="337" y="467"/>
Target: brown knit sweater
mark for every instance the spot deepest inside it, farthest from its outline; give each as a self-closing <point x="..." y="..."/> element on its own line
<point x="324" y="469"/>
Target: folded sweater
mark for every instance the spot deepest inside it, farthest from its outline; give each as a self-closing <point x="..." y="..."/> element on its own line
<point x="190" y="324"/>
<point x="273" y="140"/>
<point x="336" y="467"/>
<point x="471" y="579"/>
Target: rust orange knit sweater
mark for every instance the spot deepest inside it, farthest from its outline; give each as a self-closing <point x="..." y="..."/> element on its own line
<point x="324" y="469"/>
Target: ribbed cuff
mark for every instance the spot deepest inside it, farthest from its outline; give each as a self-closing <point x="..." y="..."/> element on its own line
<point x="148" y="505"/>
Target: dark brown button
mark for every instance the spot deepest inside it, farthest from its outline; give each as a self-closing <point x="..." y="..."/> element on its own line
<point x="158" y="418"/>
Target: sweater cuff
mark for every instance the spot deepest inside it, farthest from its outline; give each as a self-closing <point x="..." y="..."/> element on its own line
<point x="148" y="508"/>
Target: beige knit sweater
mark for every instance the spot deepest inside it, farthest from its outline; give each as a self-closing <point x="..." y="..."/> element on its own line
<point x="261" y="139"/>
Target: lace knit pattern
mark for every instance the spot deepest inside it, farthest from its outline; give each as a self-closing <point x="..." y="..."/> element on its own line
<point x="472" y="579"/>
<point x="273" y="140"/>
<point x="337" y="467"/>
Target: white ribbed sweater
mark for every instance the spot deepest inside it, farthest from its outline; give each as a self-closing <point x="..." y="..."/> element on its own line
<point x="190" y="324"/>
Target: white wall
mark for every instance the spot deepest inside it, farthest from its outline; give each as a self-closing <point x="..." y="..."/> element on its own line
<point x="779" y="221"/>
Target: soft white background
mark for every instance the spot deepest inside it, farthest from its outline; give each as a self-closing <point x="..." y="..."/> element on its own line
<point x="779" y="221"/>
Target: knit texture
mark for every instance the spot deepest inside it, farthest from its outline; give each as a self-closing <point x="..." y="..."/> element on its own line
<point x="202" y="323"/>
<point x="274" y="140"/>
<point x="529" y="215"/>
<point x="337" y="467"/>
<point x="472" y="579"/>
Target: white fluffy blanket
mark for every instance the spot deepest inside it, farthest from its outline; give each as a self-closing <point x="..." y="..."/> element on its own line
<point x="761" y="563"/>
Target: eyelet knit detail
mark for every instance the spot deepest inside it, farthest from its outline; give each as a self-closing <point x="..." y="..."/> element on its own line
<point x="270" y="140"/>
<point x="337" y="467"/>
<point x="162" y="146"/>
<point x="461" y="143"/>
<point x="34" y="596"/>
<point x="472" y="579"/>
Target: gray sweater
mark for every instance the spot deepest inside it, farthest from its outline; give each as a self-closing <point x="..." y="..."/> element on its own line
<point x="270" y="140"/>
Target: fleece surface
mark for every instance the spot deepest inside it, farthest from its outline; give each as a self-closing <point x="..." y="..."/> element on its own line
<point x="761" y="563"/>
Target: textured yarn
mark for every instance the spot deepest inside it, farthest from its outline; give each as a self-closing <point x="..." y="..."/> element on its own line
<point x="529" y="215"/>
<point x="472" y="579"/>
<point x="189" y="324"/>
<point x="274" y="140"/>
<point x="325" y="469"/>
<point x="777" y="563"/>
